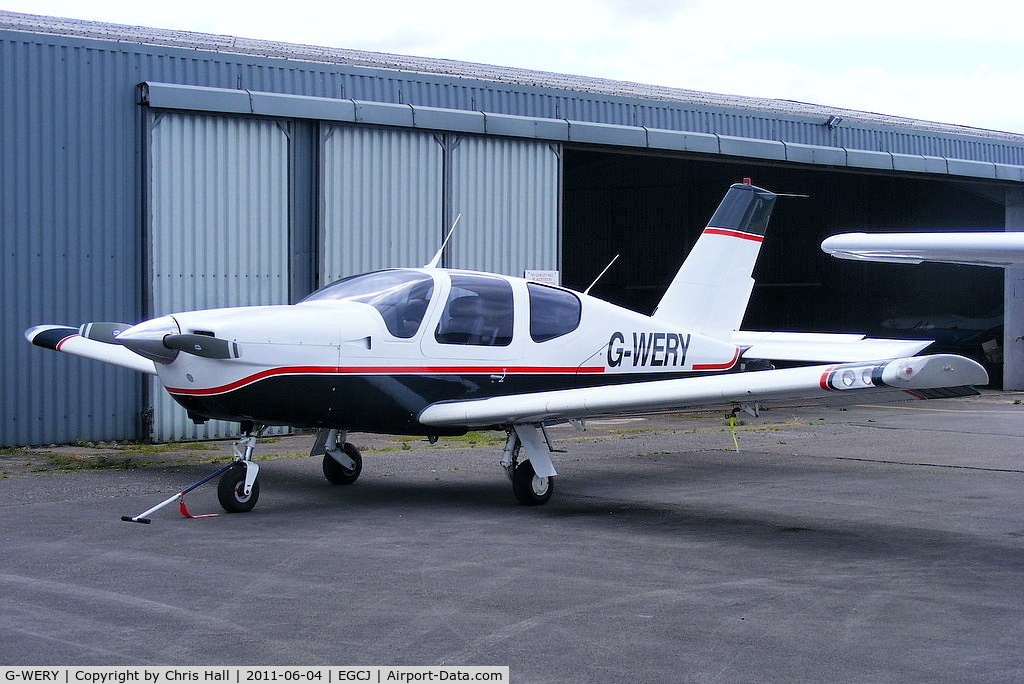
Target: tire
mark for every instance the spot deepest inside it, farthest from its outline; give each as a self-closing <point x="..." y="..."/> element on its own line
<point x="229" y="491"/>
<point x="339" y="474"/>
<point x="531" y="490"/>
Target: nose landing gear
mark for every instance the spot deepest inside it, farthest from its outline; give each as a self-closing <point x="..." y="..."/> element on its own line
<point x="238" y="490"/>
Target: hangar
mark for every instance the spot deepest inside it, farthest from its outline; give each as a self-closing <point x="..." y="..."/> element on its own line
<point x="144" y="171"/>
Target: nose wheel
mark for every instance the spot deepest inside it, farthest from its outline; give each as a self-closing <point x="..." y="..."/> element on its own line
<point x="231" y="491"/>
<point x="238" y="489"/>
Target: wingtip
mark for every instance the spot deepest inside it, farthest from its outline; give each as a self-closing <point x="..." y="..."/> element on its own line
<point x="49" y="336"/>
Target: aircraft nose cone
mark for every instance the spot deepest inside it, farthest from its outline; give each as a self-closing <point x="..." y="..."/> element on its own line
<point x="147" y="339"/>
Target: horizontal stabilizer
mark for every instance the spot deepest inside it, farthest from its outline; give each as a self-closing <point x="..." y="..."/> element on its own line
<point x="810" y="382"/>
<point x="70" y="341"/>
<point x="822" y="347"/>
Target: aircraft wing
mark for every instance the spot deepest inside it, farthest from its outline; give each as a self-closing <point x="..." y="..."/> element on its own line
<point x="70" y="341"/>
<point x="915" y="375"/>
<point x="822" y="347"/>
<point x="973" y="248"/>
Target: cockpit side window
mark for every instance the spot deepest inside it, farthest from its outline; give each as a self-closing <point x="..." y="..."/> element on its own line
<point x="400" y="296"/>
<point x="553" y="312"/>
<point x="478" y="312"/>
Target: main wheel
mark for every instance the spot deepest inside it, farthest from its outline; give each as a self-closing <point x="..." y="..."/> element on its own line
<point x="339" y="474"/>
<point x="531" y="489"/>
<point x="231" y="488"/>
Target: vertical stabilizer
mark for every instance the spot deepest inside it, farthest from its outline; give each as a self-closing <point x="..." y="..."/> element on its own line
<point x="710" y="292"/>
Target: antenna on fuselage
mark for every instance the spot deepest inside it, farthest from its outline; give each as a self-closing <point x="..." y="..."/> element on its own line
<point x="601" y="274"/>
<point x="437" y="257"/>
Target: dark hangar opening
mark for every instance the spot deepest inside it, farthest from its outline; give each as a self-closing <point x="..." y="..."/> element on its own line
<point x="651" y="209"/>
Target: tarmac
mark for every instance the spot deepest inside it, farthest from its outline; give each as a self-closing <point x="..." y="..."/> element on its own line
<point x="871" y="543"/>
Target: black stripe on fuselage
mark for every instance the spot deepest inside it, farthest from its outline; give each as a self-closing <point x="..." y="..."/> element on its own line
<point x="380" y="403"/>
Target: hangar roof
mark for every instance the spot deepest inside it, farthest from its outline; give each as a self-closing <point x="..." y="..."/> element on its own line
<point x="499" y="74"/>
<point x="593" y="110"/>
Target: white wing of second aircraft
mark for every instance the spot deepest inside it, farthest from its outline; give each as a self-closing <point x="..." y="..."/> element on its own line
<point x="974" y="248"/>
<point x="822" y="383"/>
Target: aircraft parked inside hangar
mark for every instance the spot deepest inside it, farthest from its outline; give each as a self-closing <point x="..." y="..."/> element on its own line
<point x="432" y="351"/>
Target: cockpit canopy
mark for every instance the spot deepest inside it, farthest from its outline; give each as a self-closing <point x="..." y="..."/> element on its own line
<point x="479" y="310"/>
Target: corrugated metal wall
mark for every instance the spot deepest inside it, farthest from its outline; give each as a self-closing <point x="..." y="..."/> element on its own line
<point x="69" y="237"/>
<point x="509" y="195"/>
<point x="219" y="198"/>
<point x="382" y="199"/>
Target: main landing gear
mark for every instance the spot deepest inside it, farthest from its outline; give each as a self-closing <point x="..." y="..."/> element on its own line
<point x="342" y="460"/>
<point x="529" y="487"/>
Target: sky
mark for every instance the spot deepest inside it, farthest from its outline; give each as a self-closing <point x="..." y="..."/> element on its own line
<point x="960" y="63"/>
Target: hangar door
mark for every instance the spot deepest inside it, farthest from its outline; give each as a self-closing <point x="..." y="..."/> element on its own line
<point x="381" y="199"/>
<point x="219" y="229"/>
<point x="390" y="195"/>
<point x="509" y="195"/>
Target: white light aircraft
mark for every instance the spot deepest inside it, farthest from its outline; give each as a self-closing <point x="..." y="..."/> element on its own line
<point x="432" y="351"/>
<point x="979" y="248"/>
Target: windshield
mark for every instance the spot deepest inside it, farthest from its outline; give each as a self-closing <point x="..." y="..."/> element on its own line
<point x="400" y="296"/>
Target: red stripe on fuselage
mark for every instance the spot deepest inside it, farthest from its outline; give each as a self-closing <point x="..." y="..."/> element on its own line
<point x="735" y="234"/>
<point x="718" y="366"/>
<point x="386" y="370"/>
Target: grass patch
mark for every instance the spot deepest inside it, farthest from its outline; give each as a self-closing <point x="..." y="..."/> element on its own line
<point x="267" y="457"/>
<point x="477" y="438"/>
<point x="67" y="462"/>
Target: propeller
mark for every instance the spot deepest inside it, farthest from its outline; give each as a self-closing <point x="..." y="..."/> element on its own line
<point x="103" y="331"/>
<point x="160" y="340"/>
<point x="202" y="345"/>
